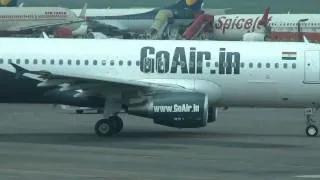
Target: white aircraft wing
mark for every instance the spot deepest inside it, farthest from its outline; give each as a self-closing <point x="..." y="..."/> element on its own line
<point x="97" y="84"/>
<point x="41" y="26"/>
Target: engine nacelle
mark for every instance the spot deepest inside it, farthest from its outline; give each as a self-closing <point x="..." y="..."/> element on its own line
<point x="180" y="110"/>
<point x="96" y="35"/>
<point x="254" y="37"/>
<point x="63" y="32"/>
<point x="212" y="114"/>
<point x="160" y="23"/>
<point x="82" y="30"/>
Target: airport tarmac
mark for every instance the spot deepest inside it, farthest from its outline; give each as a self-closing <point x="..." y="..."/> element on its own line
<point x="41" y="142"/>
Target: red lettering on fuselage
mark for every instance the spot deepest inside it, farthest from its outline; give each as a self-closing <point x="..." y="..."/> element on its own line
<point x="249" y="24"/>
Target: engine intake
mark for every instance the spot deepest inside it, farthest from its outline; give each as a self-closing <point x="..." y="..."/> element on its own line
<point x="254" y="37"/>
<point x="180" y="110"/>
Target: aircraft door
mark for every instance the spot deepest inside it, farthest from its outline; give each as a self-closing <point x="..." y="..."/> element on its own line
<point x="312" y="67"/>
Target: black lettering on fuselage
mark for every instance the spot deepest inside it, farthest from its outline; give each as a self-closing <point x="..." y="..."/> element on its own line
<point x="229" y="61"/>
<point x="146" y="62"/>
<point x="153" y="61"/>
<point x="179" y="59"/>
<point x="162" y="61"/>
<point x="233" y="61"/>
<point x="202" y="55"/>
<point x="222" y="60"/>
<point x="192" y="60"/>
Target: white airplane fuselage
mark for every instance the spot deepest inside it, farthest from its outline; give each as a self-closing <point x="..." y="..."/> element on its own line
<point x="262" y="74"/>
<point x="226" y="26"/>
<point x="16" y="19"/>
<point x="132" y="19"/>
<point x="283" y="26"/>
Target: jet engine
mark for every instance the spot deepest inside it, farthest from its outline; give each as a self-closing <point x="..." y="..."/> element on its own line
<point x="96" y="35"/>
<point x="254" y="37"/>
<point x="63" y="32"/>
<point x="212" y="114"/>
<point x="82" y="30"/>
<point x="160" y="23"/>
<point x="180" y="110"/>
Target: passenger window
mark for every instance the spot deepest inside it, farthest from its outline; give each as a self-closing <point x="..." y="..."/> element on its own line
<point x="250" y="65"/>
<point x="138" y="63"/>
<point x="60" y="61"/>
<point x="242" y="65"/>
<point x="129" y="63"/>
<point x="26" y="61"/>
<point x="216" y="64"/>
<point x="120" y="62"/>
<point x="95" y="62"/>
<point x="294" y="65"/>
<point x="69" y="62"/>
<point x="43" y="61"/>
<point x="268" y="65"/>
<point x="1" y="61"/>
<point x="208" y="64"/>
<point x="112" y="62"/>
<point x="285" y="65"/>
<point x="259" y="65"/>
<point x="35" y="61"/>
<point x="276" y="65"/>
<point x="52" y="61"/>
<point x="86" y="62"/>
<point x="9" y="61"/>
<point x="104" y="62"/>
<point x="225" y="64"/>
<point x="18" y="61"/>
<point x="78" y="62"/>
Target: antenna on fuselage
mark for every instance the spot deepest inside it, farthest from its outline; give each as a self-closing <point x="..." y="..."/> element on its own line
<point x="305" y="39"/>
<point x="44" y="35"/>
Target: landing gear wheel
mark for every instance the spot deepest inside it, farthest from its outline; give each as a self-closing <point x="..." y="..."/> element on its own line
<point x="79" y="111"/>
<point x="99" y="111"/>
<point x="117" y="123"/>
<point x="312" y="131"/>
<point x="104" y="128"/>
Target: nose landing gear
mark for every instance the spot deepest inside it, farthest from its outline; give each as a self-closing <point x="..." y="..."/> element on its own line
<point x="311" y="129"/>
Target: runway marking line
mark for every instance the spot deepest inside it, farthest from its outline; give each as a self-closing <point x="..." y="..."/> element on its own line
<point x="24" y="171"/>
<point x="308" y="176"/>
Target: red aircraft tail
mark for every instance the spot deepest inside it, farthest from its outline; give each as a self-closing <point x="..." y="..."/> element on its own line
<point x="265" y="18"/>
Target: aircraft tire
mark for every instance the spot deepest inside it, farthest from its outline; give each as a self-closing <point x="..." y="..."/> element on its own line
<point x="99" y="111"/>
<point x="79" y="111"/>
<point x="117" y="123"/>
<point x="311" y="130"/>
<point x="104" y="128"/>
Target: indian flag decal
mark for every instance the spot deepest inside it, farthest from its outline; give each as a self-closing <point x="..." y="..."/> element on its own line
<point x="289" y="55"/>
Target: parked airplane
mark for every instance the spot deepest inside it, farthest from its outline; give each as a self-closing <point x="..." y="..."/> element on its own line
<point x="33" y="20"/>
<point x="8" y="3"/>
<point x="115" y="21"/>
<point x="233" y="27"/>
<point x="176" y="83"/>
<point x="280" y="27"/>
